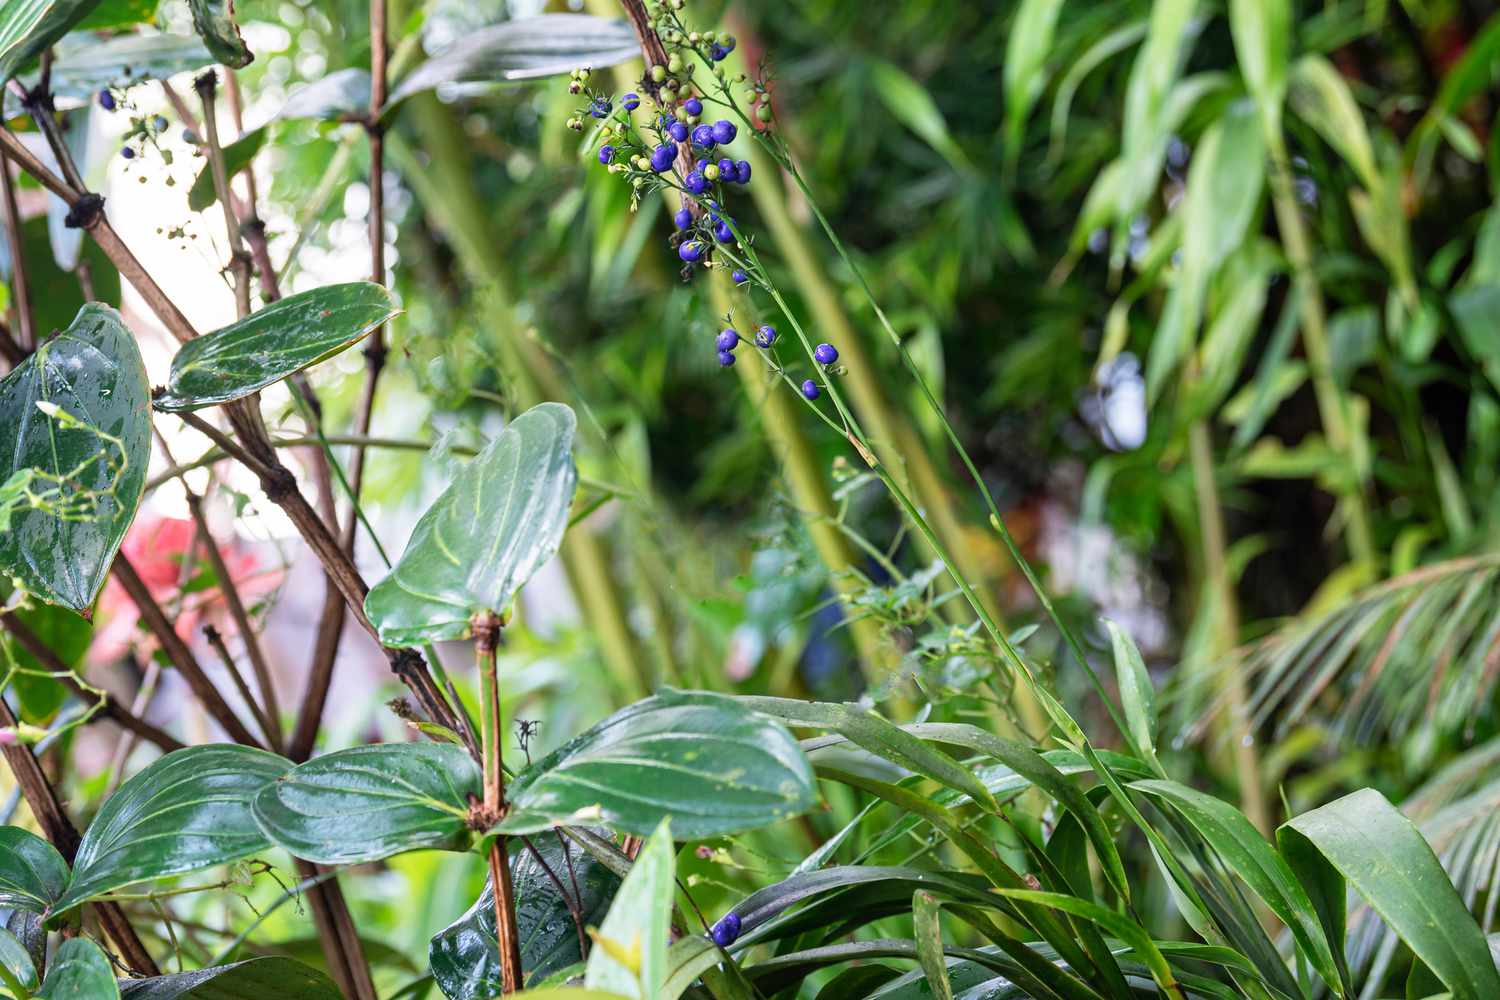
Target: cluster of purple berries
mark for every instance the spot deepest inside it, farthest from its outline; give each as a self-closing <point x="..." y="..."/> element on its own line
<point x="729" y="338"/>
<point x="726" y="931"/>
<point x="145" y="129"/>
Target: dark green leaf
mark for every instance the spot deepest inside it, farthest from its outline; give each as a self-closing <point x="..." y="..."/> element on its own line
<point x="65" y="634"/>
<point x="189" y="810"/>
<point x="464" y="957"/>
<point x="119" y="14"/>
<point x="237" y="156"/>
<point x="256" y="979"/>
<point x="523" y="49"/>
<point x="33" y="875"/>
<point x="707" y="761"/>
<point x="93" y="371"/>
<point x="268" y="345"/>
<point x="214" y="20"/>
<point x="16" y="961"/>
<point x="500" y="519"/>
<point x="29" y="26"/>
<point x="368" y="803"/>
<point x="1366" y="840"/>
<point x="79" y="971"/>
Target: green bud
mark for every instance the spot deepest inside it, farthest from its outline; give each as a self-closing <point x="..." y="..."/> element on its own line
<point x="584" y="74"/>
<point x="658" y="73"/>
<point x="711" y="171"/>
<point x="694" y="38"/>
<point x="763" y="113"/>
<point x="674" y="63"/>
<point x="681" y="115"/>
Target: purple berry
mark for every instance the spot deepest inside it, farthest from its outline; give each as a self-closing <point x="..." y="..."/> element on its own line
<point x="742" y="171"/>
<point x="728" y="172"/>
<point x="683" y="218"/>
<point x="810" y="389"/>
<point x="606" y="153"/>
<point x="630" y="101"/>
<point x="765" y="337"/>
<point x="106" y="100"/>
<point x="740" y="277"/>
<point x="703" y="136"/>
<point x="718" y="53"/>
<point x="662" y="157"/>
<point x="727" y="340"/>
<point x="695" y="182"/>
<point x="726" y="930"/>
<point x="691" y="251"/>
<point x="693" y="106"/>
<point x="723" y="233"/>
<point x="726" y="359"/>
<point x="128" y="153"/>
<point x="600" y="107"/>
<point x="724" y="132"/>
<point x="825" y="354"/>
<point x="678" y="131"/>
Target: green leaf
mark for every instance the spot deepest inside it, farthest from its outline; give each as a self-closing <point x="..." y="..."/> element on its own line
<point x="119" y="14"/>
<point x="910" y="103"/>
<point x="499" y="520"/>
<point x="368" y="803"/>
<point x="705" y="760"/>
<point x="1148" y="116"/>
<point x="187" y="811"/>
<point x="33" y="875"/>
<point x="1367" y="841"/>
<point x="464" y="956"/>
<point x="523" y="49"/>
<point x="1026" y="52"/>
<point x="83" y="64"/>
<point x="256" y="979"/>
<point x="337" y="95"/>
<point x="1470" y="75"/>
<point x="1137" y="693"/>
<point x="93" y="372"/>
<point x="214" y="21"/>
<point x="638" y="925"/>
<point x="15" y="962"/>
<point x="1251" y="857"/>
<point x="68" y="636"/>
<point x="1112" y="923"/>
<point x="1262" y="31"/>
<point x="272" y="343"/>
<point x="1321" y="97"/>
<point x="79" y="971"/>
<point x="928" y="931"/>
<point x="237" y="156"/>
<point x="29" y="26"/>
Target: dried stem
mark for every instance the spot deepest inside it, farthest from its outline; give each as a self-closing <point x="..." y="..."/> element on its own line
<point x="216" y="640"/>
<point x="239" y="258"/>
<point x="20" y="287"/>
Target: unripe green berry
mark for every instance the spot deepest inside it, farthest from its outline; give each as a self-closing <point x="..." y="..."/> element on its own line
<point x="658" y="73"/>
<point x="584" y="74"/>
<point x="674" y="63"/>
<point x="694" y="38"/>
<point x="763" y="113"/>
<point x="711" y="171"/>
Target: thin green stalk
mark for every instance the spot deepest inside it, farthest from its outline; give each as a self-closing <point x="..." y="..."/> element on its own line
<point x="1226" y="621"/>
<point x="1333" y="404"/>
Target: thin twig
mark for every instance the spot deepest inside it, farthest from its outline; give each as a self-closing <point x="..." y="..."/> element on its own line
<point x="239" y="258"/>
<point x="216" y="641"/>
<point x="20" y="287"/>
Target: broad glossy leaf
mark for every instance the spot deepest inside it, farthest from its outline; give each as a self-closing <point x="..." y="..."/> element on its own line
<point x="523" y="49"/>
<point x="268" y="345"/>
<point x="711" y="764"/>
<point x="79" y="971"/>
<point x="83" y="64"/>
<point x="33" y="875"/>
<point x="237" y="156"/>
<point x="29" y="26"/>
<point x="1250" y="856"/>
<point x="346" y="92"/>
<point x="187" y="811"/>
<point x="368" y="803"/>
<point x="1367" y="841"/>
<point x="214" y="21"/>
<point x="500" y="519"/>
<point x="16" y="960"/>
<point x="93" y="371"/>
<point x="639" y="923"/>
<point x="464" y="956"/>
<point x="256" y="979"/>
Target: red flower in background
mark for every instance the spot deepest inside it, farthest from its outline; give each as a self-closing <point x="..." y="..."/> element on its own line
<point x="158" y="548"/>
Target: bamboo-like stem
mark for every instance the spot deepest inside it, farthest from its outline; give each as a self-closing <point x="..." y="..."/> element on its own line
<point x="42" y="798"/>
<point x="1226" y="625"/>
<point x="1333" y="404"/>
<point x="375" y="349"/>
<point x="110" y="707"/>
<point x="21" y="288"/>
<point x="486" y="628"/>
